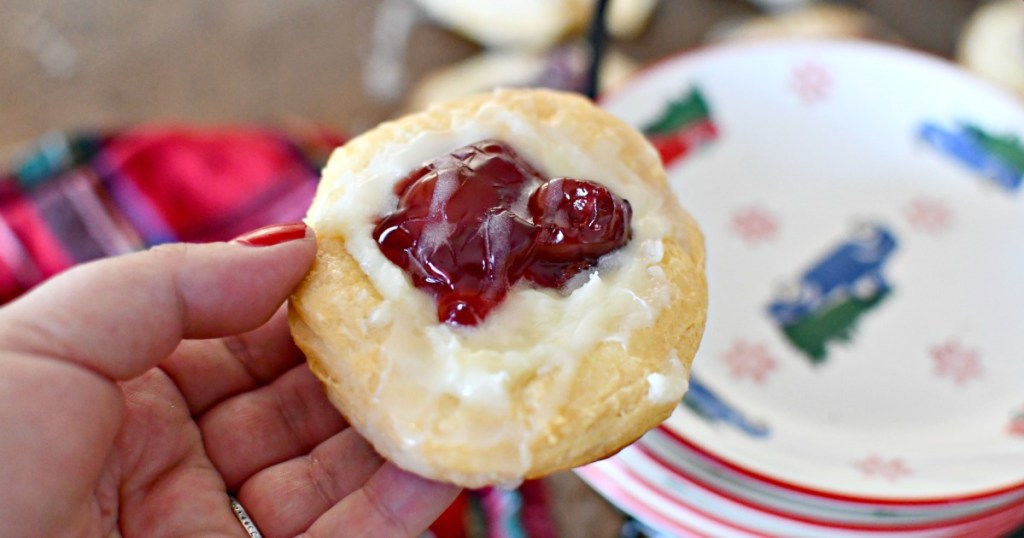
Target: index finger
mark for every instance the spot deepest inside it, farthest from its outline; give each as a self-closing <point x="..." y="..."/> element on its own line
<point x="121" y="316"/>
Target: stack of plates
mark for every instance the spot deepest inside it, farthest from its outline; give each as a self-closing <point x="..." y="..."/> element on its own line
<point x="862" y="372"/>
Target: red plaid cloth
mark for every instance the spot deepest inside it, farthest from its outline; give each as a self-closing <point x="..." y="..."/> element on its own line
<point x="79" y="197"/>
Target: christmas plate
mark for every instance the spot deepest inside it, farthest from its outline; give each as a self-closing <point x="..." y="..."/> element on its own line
<point x="671" y="502"/>
<point x="862" y="206"/>
<point x="674" y="456"/>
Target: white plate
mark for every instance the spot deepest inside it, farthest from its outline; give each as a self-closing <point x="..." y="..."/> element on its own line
<point x="865" y="265"/>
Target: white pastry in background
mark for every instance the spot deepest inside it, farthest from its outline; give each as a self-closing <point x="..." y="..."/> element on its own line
<point x="534" y="24"/>
<point x="562" y="68"/>
<point x="992" y="43"/>
<point x="628" y="18"/>
<point x="816" y="21"/>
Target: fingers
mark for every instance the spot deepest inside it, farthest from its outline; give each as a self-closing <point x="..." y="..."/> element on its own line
<point x="121" y="316"/>
<point x="208" y="372"/>
<point x="272" y="424"/>
<point x="281" y="448"/>
<point x="287" y="498"/>
<point x="392" y="503"/>
<point x="343" y="488"/>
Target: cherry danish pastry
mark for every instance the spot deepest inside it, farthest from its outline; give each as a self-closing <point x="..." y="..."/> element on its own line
<point x="505" y="287"/>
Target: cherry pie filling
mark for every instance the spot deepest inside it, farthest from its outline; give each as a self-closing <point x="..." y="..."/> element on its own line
<point x="471" y="224"/>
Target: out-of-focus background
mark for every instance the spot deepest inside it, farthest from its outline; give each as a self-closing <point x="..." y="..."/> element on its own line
<point x="100" y="63"/>
<point x="347" y="65"/>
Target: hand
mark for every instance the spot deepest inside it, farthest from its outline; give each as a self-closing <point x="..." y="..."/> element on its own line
<point x="121" y="415"/>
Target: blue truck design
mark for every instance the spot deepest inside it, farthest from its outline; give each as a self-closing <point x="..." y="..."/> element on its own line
<point x="708" y="405"/>
<point x="1000" y="159"/>
<point x="830" y="296"/>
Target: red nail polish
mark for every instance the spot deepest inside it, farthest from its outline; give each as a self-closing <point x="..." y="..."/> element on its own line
<point x="272" y="235"/>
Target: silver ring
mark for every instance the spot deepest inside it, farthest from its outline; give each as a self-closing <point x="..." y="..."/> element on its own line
<point x="244" y="519"/>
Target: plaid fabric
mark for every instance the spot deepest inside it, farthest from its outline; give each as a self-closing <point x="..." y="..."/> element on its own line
<point x="523" y="512"/>
<point x="79" y="197"/>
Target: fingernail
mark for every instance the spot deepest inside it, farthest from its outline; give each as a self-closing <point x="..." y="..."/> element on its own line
<point x="273" y="235"/>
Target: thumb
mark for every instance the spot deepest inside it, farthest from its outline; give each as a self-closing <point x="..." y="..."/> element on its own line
<point x="121" y="316"/>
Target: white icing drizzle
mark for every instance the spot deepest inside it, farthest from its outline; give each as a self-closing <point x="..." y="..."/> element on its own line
<point x="668" y="386"/>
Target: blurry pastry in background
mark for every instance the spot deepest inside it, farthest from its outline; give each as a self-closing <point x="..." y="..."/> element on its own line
<point x="992" y="43"/>
<point x="562" y="68"/>
<point x="628" y="18"/>
<point x="534" y="24"/>
<point x="779" y="5"/>
<point x="816" y="21"/>
<point x="525" y="24"/>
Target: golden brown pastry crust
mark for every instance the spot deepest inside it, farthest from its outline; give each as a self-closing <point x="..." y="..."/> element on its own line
<point x="607" y="405"/>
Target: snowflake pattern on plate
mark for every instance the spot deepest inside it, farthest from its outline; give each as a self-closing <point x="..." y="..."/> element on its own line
<point x="1016" y="425"/>
<point x="875" y="466"/>
<point x="811" y="83"/>
<point x="955" y="361"/>
<point x="755" y="225"/>
<point x="929" y="215"/>
<point x="749" y="361"/>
